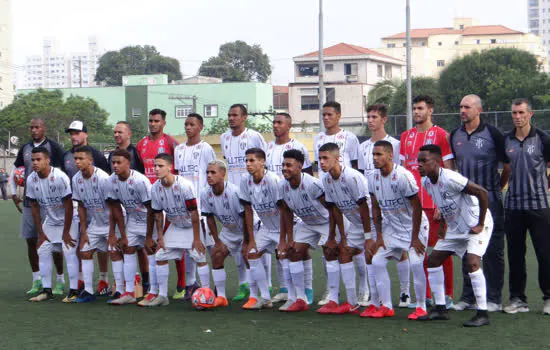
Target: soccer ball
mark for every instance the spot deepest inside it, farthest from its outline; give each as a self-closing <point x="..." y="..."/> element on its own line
<point x="19" y="176"/>
<point x="203" y="299"/>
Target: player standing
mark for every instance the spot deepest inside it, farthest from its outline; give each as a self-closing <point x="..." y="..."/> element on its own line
<point x="346" y="192"/>
<point x="426" y="133"/>
<point x="155" y="143"/>
<point x="401" y="227"/>
<point x="190" y="161"/>
<point x="49" y="191"/>
<point x="29" y="231"/>
<point x="466" y="229"/>
<point x="220" y="200"/>
<point x="176" y="196"/>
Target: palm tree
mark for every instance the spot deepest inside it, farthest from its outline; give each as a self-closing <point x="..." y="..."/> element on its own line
<point x="383" y="91"/>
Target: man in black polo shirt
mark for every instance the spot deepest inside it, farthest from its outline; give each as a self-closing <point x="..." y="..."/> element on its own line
<point x="527" y="205"/>
<point x="479" y="148"/>
<point x="29" y="232"/>
<point x="78" y="133"/>
<point x="123" y="134"/>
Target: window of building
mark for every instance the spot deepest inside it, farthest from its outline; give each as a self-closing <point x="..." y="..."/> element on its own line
<point x="211" y="110"/>
<point x="183" y="111"/>
<point x="329" y="67"/>
<point x="350" y="68"/>
<point x="456" y="42"/>
<point x="423" y="43"/>
<point x="493" y="41"/>
<point x="391" y="46"/>
<point x="533" y="13"/>
<point x="309" y="99"/>
<point x="478" y="41"/>
<point x="330" y="94"/>
<point x="441" y="63"/>
<point x="308" y="70"/>
<point x="379" y="71"/>
<point x="136" y="112"/>
<point x="462" y="27"/>
<point x="404" y="44"/>
<point x="439" y="43"/>
<point x="388" y="71"/>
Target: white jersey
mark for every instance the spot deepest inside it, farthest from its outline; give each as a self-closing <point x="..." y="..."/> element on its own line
<point x="274" y="155"/>
<point x="227" y="208"/>
<point x="346" y="191"/>
<point x="92" y="193"/>
<point x="191" y="163"/>
<point x="460" y="210"/>
<point x="264" y="198"/>
<point x="49" y="193"/>
<point x="366" y="162"/>
<point x="234" y="148"/>
<point x="347" y="143"/>
<point x="173" y="200"/>
<point x="393" y="193"/>
<point x="133" y="194"/>
<point x="304" y="200"/>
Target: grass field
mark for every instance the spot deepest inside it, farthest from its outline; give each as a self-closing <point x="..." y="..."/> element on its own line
<point x="97" y="325"/>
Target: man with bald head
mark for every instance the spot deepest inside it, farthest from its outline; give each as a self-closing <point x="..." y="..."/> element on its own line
<point x="29" y="232"/>
<point x="479" y="150"/>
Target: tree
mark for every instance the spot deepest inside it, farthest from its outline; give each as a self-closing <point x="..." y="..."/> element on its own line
<point x="497" y="76"/>
<point x="135" y="60"/>
<point x="420" y="86"/>
<point x="238" y="61"/>
<point x="57" y="112"/>
<point x="383" y="92"/>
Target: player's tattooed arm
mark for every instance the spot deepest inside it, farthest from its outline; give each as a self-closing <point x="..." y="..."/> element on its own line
<point x="483" y="198"/>
<point x="67" y="222"/>
<point x="248" y="224"/>
<point x="196" y="222"/>
<point x="376" y="215"/>
<point x="442" y="228"/>
<point x="211" y="223"/>
<point x="35" y="210"/>
<point x="505" y="175"/>
<point x="82" y="216"/>
<point x="365" y="213"/>
<point x="286" y="224"/>
<point x="159" y="224"/>
<point x="417" y="221"/>
<point x="150" y="244"/>
<point x="377" y="218"/>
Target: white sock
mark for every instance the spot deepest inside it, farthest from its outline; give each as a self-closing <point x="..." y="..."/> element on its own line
<point x="163" y="271"/>
<point x="333" y="277"/>
<point x="257" y="270"/>
<point x="60" y="278"/>
<point x="480" y="288"/>
<point x="253" y="286"/>
<point x="267" y="266"/>
<point x="204" y="275"/>
<point x="103" y="276"/>
<point x="383" y="283"/>
<point x="153" y="281"/>
<point x="325" y="267"/>
<point x="291" y="291"/>
<point x="419" y="277"/>
<point x="72" y="267"/>
<point x="190" y="271"/>
<point x="88" y="272"/>
<point x="349" y="277"/>
<point x="374" y="299"/>
<point x="242" y="270"/>
<point x="361" y="266"/>
<point x="130" y="269"/>
<point x="45" y="262"/>
<point x="36" y="275"/>
<point x="297" y="274"/>
<point x="404" y="272"/>
<point x="219" y="277"/>
<point x="280" y="274"/>
<point x="308" y="273"/>
<point x="437" y="284"/>
<point x="118" y="273"/>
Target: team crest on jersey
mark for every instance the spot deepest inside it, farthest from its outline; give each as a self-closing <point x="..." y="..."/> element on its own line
<point x="131" y="191"/>
<point x="265" y="192"/>
<point x="161" y="142"/>
<point x="479" y="143"/>
<point x="243" y="145"/>
<point x="177" y="198"/>
<point x="305" y="197"/>
<point x="345" y="190"/>
<point x="341" y="136"/>
<point x="445" y="195"/>
<point x="52" y="188"/>
<point x="196" y="155"/>
<point x="431" y="133"/>
<point x="411" y="135"/>
<point x="81" y="190"/>
<point x="161" y="150"/>
<point x="409" y="143"/>
<point x="36" y="188"/>
<point x="530" y="149"/>
<point x="394" y="188"/>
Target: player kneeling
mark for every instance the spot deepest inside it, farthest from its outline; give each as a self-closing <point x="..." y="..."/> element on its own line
<point x="220" y="200"/>
<point x="463" y="205"/>
<point x="49" y="191"/>
<point x="304" y="197"/>
<point x="401" y="226"/>
<point x="175" y="195"/>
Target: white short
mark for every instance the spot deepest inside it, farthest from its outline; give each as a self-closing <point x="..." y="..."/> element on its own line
<point x="137" y="239"/>
<point x="233" y="242"/>
<point x="58" y="246"/>
<point x="55" y="233"/>
<point x="355" y="236"/>
<point x="471" y="243"/>
<point x="267" y="241"/>
<point x="206" y="237"/>
<point x="96" y="242"/>
<point x="395" y="246"/>
<point x="314" y="235"/>
<point x="177" y="253"/>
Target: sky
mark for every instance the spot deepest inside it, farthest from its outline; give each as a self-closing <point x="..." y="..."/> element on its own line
<point x="193" y="30"/>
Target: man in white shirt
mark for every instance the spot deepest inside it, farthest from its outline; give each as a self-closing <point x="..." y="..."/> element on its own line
<point x="49" y="191"/>
<point x="401" y="227"/>
<point x="190" y="161"/>
<point x="346" y="191"/>
<point x="468" y="225"/>
<point x="176" y="197"/>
